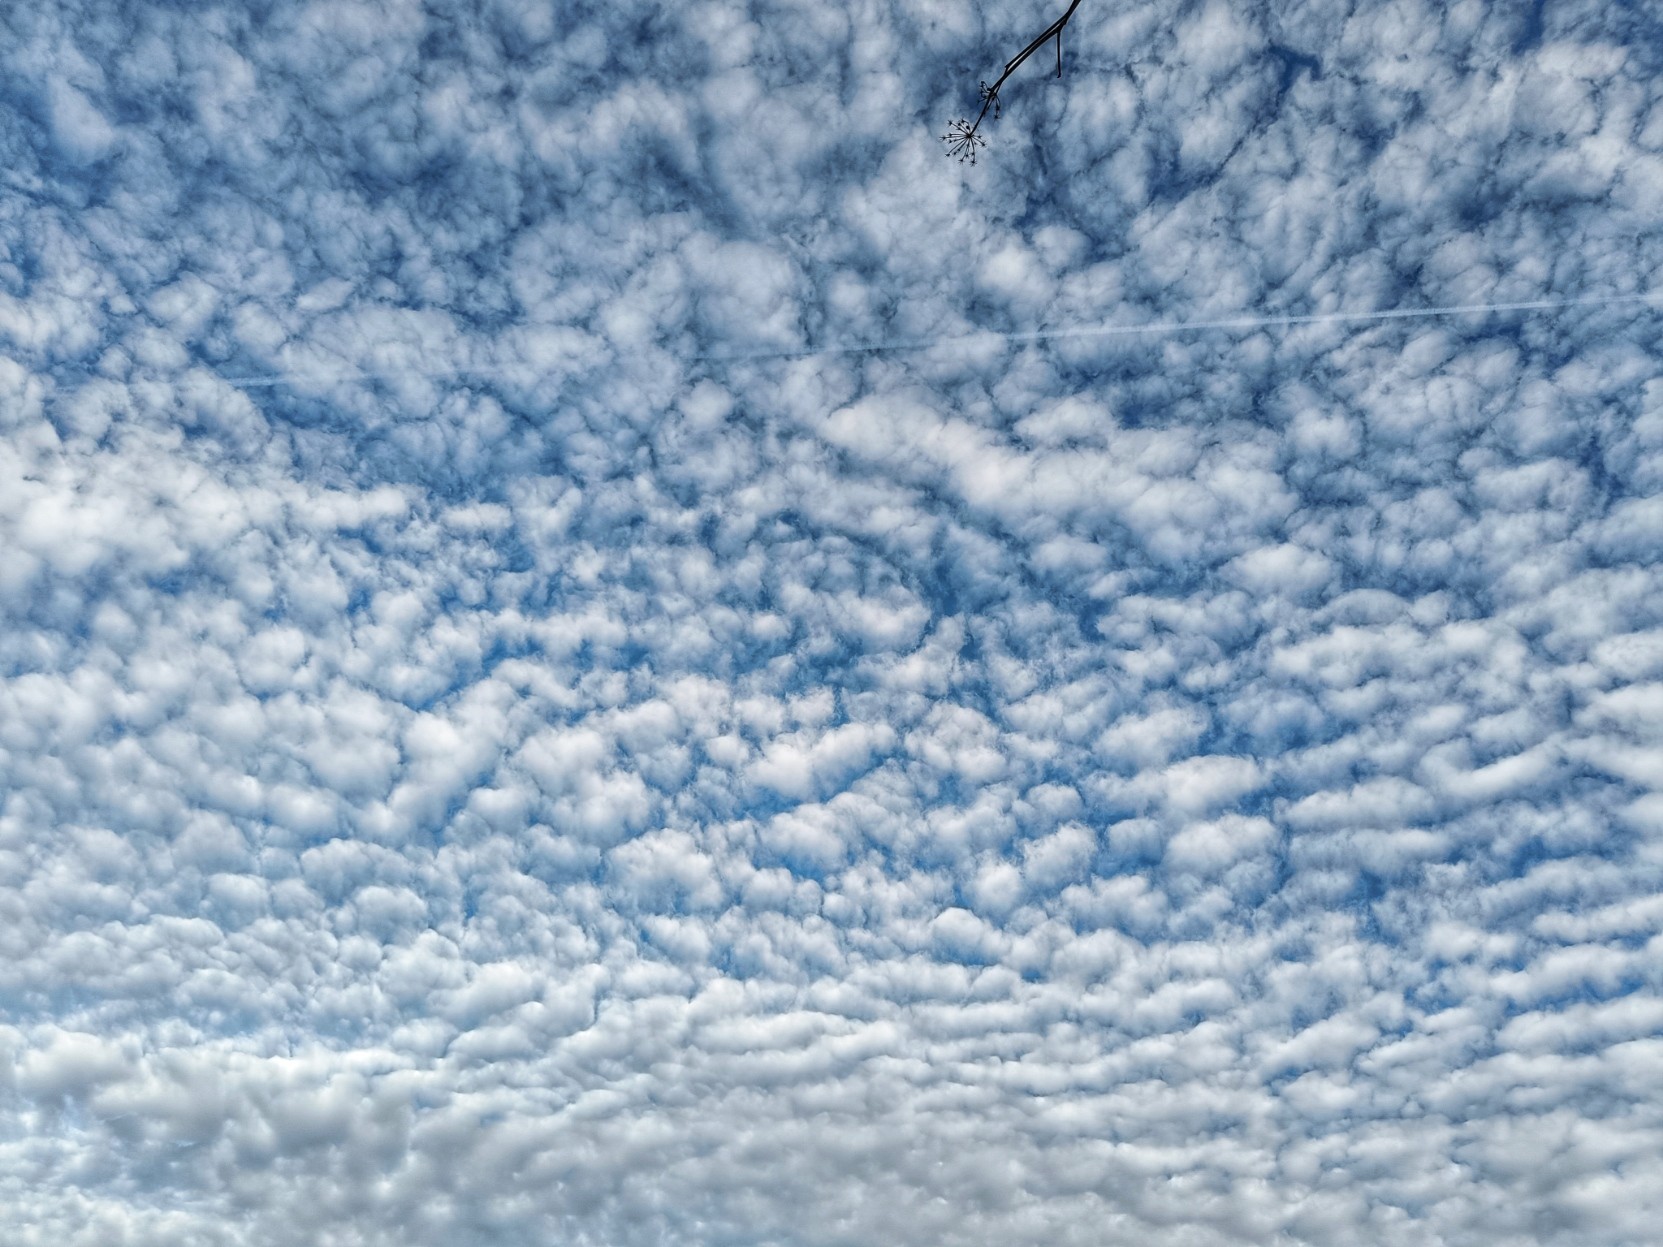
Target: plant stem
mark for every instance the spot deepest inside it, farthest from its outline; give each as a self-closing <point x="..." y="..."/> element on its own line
<point x="1053" y="31"/>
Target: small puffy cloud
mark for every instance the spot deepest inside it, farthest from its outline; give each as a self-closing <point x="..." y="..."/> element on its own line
<point x="807" y="762"/>
<point x="1206" y="782"/>
<point x="82" y="133"/>
<point x="1289" y="570"/>
<point x="1061" y="856"/>
<point x="70" y="1064"/>
<point x="1207" y="847"/>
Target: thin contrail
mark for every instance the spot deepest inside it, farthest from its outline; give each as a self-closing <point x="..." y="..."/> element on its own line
<point x="1191" y="326"/>
<point x="896" y="346"/>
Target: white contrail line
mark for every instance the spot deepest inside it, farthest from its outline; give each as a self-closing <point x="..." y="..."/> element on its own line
<point x="1193" y="326"/>
<point x="896" y="346"/>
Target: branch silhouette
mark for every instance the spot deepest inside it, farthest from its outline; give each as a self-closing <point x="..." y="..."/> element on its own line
<point x="963" y="137"/>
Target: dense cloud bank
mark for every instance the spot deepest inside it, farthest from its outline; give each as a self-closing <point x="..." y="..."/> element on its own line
<point x="505" y="737"/>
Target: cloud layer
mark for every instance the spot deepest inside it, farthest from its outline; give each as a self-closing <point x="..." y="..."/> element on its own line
<point x="511" y="732"/>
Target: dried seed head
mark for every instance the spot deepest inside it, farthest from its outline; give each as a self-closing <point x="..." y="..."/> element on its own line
<point x="962" y="140"/>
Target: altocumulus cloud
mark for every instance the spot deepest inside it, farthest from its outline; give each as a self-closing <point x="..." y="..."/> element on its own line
<point x="502" y="742"/>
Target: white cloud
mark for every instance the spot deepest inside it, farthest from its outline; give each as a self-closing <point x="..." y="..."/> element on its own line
<point x="500" y="739"/>
<point x="1209" y="846"/>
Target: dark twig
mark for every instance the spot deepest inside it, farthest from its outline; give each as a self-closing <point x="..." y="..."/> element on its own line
<point x="963" y="137"/>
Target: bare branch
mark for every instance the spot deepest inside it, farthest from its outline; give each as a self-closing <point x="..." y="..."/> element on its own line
<point x="963" y="137"/>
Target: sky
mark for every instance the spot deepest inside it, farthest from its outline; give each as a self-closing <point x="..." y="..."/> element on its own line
<point x="601" y="645"/>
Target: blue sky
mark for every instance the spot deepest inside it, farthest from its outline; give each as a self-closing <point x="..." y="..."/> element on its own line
<point x="599" y="644"/>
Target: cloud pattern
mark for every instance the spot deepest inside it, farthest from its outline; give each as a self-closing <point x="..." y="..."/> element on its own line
<point x="512" y="732"/>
